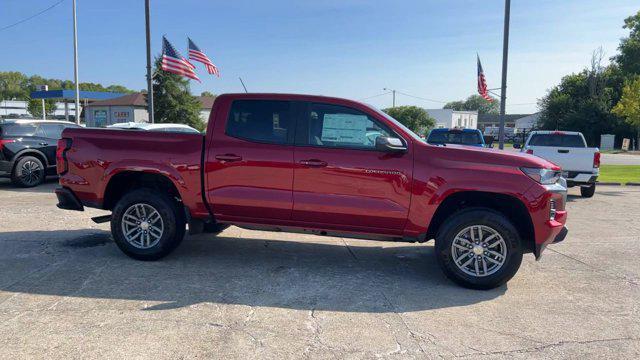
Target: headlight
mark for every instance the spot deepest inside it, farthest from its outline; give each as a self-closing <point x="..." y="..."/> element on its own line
<point x="543" y="176"/>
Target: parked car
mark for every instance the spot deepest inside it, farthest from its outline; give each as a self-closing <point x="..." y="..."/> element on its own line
<point x="568" y="149"/>
<point x="165" y="127"/>
<point x="470" y="137"/>
<point x="301" y="163"/>
<point x="28" y="149"/>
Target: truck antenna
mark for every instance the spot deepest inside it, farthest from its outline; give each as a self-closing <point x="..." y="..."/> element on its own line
<point x="242" y="82"/>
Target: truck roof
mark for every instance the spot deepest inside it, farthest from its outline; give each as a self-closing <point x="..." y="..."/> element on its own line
<point x="556" y="132"/>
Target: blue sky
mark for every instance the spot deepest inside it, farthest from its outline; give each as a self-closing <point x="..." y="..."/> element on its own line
<point x="344" y="48"/>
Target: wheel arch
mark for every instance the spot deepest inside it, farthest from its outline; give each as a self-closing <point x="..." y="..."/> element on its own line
<point x="30" y="152"/>
<point x="509" y="206"/>
<point x="126" y="181"/>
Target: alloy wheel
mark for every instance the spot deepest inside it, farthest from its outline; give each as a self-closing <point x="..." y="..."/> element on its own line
<point x="142" y="226"/>
<point x="479" y="250"/>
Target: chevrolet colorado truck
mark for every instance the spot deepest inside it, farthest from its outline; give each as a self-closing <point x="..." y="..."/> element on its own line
<point x="580" y="164"/>
<point x="319" y="165"/>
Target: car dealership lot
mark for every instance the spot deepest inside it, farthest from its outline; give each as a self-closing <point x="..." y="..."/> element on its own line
<point x="67" y="291"/>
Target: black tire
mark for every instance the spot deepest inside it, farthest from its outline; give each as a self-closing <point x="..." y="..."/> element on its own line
<point x="488" y="218"/>
<point x="214" y="228"/>
<point x="173" y="224"/>
<point x="588" y="191"/>
<point x="28" y="172"/>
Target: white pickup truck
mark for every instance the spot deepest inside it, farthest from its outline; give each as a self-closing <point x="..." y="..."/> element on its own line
<point x="580" y="164"/>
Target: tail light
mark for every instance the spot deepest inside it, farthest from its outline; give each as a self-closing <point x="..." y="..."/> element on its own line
<point x="596" y="159"/>
<point x="62" y="165"/>
<point x="2" y="142"/>
<point x="530" y="151"/>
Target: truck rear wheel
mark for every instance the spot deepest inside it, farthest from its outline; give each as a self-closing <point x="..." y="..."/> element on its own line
<point x="478" y="248"/>
<point x="588" y="191"/>
<point x="146" y="225"/>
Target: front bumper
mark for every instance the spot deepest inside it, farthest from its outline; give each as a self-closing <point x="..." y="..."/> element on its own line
<point x="67" y="200"/>
<point x="550" y="229"/>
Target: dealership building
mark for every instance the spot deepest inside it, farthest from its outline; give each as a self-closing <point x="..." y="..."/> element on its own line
<point x="130" y="108"/>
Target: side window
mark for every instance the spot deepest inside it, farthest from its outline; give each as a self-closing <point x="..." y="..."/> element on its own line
<point x="342" y="127"/>
<point x="52" y="131"/>
<point x="261" y="121"/>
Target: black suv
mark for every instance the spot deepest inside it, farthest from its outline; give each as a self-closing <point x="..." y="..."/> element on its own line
<point x="28" y="149"/>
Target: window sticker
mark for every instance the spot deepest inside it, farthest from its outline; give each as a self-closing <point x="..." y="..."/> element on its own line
<point x="345" y="128"/>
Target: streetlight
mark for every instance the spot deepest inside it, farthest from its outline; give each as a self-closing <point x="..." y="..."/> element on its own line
<point x="149" y="76"/>
<point x="394" y="95"/>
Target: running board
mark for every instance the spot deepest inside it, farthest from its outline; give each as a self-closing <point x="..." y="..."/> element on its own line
<point x="101" y="219"/>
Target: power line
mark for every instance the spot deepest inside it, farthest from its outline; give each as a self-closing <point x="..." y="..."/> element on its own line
<point x="32" y="16"/>
<point x="375" y="96"/>
<point x="421" y="98"/>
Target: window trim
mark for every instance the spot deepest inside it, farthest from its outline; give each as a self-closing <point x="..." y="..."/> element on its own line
<point x="290" y="134"/>
<point x="303" y="128"/>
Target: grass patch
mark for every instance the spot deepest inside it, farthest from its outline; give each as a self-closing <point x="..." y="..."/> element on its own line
<point x="619" y="173"/>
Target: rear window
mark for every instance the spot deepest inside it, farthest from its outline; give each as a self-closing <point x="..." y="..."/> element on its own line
<point x="260" y="120"/>
<point x="557" y="140"/>
<point x="454" y="137"/>
<point x="18" y="130"/>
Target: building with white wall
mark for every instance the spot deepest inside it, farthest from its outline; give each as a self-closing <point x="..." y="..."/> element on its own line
<point x="131" y="108"/>
<point x="19" y="108"/>
<point x="449" y="118"/>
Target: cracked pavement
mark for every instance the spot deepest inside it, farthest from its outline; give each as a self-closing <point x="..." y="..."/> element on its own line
<point x="66" y="291"/>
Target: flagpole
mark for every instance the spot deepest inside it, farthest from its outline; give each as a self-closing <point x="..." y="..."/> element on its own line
<point x="505" y="55"/>
<point x="149" y="76"/>
<point x="75" y="62"/>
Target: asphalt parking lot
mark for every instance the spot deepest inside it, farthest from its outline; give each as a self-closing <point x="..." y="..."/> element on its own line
<point x="66" y="291"/>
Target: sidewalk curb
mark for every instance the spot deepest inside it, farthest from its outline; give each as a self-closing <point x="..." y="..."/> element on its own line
<point x="609" y="183"/>
<point x="632" y="184"/>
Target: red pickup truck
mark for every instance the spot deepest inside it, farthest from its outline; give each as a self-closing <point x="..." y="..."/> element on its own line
<point x="320" y="165"/>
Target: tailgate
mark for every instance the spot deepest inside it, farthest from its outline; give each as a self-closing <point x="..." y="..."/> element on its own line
<point x="568" y="158"/>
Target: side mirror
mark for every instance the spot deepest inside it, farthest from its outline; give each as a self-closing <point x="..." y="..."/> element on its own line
<point x="390" y="144"/>
<point x="517" y="146"/>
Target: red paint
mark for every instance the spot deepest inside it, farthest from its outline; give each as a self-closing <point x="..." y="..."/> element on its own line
<point x="356" y="191"/>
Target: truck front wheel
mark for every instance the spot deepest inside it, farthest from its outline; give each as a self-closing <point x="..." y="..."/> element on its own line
<point x="478" y="248"/>
<point x="146" y="225"/>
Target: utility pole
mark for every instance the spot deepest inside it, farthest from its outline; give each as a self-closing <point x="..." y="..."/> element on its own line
<point x="394" y="96"/>
<point x="505" y="55"/>
<point x="149" y="77"/>
<point x="75" y="62"/>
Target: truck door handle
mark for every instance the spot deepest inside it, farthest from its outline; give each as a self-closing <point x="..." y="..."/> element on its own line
<point x="563" y="151"/>
<point x="228" y="157"/>
<point x="313" y="163"/>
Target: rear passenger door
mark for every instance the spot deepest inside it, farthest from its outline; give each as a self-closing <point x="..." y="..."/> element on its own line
<point x="50" y="134"/>
<point x="249" y="167"/>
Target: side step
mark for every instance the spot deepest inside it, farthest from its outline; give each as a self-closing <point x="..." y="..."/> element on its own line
<point x="101" y="219"/>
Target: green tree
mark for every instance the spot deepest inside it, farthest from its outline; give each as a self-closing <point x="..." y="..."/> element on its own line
<point x="583" y="102"/>
<point x="415" y="118"/>
<point x="34" y="106"/>
<point x="475" y="103"/>
<point x="13" y="86"/>
<point x="628" y="58"/>
<point x="172" y="100"/>
<point x="207" y="94"/>
<point x="629" y="106"/>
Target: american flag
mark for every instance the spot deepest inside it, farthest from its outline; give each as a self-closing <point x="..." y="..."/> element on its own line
<point x="482" y="83"/>
<point x="174" y="63"/>
<point x="196" y="54"/>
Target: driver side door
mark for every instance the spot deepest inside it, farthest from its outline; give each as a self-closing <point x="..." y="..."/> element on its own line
<point x="341" y="180"/>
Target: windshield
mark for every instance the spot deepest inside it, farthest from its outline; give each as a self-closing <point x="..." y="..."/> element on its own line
<point x="398" y="123"/>
<point x="455" y="137"/>
<point x="557" y="140"/>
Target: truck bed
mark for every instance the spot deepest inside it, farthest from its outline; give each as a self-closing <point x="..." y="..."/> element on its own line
<point x="175" y="155"/>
